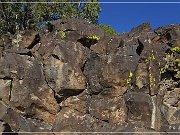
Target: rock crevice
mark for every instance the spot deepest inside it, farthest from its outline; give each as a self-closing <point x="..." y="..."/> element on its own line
<point x="74" y="78"/>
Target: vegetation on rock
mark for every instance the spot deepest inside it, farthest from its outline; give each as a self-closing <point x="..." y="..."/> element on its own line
<point x="109" y="31"/>
<point x="175" y="50"/>
<point x="172" y="65"/>
<point x="129" y="79"/>
<point x="93" y="38"/>
<point x="150" y="58"/>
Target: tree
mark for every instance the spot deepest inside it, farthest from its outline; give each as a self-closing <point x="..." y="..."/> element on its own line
<point x="108" y="30"/>
<point x="90" y="11"/>
<point x="21" y="16"/>
<point x="8" y="16"/>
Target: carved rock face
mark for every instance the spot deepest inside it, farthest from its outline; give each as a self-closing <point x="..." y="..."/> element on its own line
<point x="63" y="67"/>
<point x="140" y="107"/>
<point x="75" y="79"/>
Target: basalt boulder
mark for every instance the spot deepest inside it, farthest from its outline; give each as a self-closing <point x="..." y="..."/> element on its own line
<point x="73" y="78"/>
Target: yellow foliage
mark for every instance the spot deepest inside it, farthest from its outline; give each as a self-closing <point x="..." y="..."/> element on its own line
<point x="93" y="37"/>
<point x="128" y="81"/>
<point x="175" y="50"/>
<point x="150" y="58"/>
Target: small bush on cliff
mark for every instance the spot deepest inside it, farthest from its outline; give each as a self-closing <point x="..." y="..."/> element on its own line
<point x="109" y="31"/>
<point x="129" y="79"/>
<point x="150" y="58"/>
<point x="93" y="37"/>
<point x="175" y="50"/>
<point x="20" y="15"/>
<point x="172" y="65"/>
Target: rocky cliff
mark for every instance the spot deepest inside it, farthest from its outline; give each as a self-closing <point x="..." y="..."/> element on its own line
<point x="73" y="78"/>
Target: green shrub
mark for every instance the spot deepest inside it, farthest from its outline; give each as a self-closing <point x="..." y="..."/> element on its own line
<point x="150" y="58"/>
<point x="129" y="79"/>
<point x="172" y="65"/>
<point x="93" y="37"/>
<point x="62" y="34"/>
<point x="175" y="50"/>
<point x="109" y="31"/>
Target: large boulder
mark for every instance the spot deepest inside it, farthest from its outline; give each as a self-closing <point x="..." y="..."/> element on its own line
<point x="3" y="110"/>
<point x="19" y="123"/>
<point x="70" y="120"/>
<point x="72" y="78"/>
<point x="64" y="68"/>
<point x="112" y="110"/>
<point x="144" y="109"/>
<point x="74" y="29"/>
<point x="23" y="85"/>
<point x="29" y="39"/>
<point x="171" y="104"/>
<point x="169" y="35"/>
<point x="110" y="72"/>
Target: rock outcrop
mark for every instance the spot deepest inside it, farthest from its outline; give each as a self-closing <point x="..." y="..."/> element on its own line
<point x="73" y="78"/>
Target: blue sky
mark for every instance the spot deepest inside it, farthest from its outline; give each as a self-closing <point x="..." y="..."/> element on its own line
<point x="123" y="17"/>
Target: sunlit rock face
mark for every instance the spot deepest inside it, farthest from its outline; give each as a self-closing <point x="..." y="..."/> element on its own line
<point x="75" y="79"/>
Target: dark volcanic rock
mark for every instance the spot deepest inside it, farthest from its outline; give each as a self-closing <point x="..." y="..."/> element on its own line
<point x="63" y="69"/>
<point x="110" y="72"/>
<point x="169" y="35"/>
<point x="23" y="85"/>
<point x="79" y="102"/>
<point x="2" y="127"/>
<point x="23" y="124"/>
<point x="112" y="110"/>
<point x="80" y="27"/>
<point x="140" y="107"/>
<point x="3" y="110"/>
<point x="170" y="101"/>
<point x="72" y="78"/>
<point x="30" y="39"/>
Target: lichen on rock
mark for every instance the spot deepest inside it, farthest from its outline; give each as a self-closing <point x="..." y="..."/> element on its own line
<point x="75" y="78"/>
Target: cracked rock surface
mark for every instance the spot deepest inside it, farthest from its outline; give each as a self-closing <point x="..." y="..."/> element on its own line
<point x="124" y="83"/>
